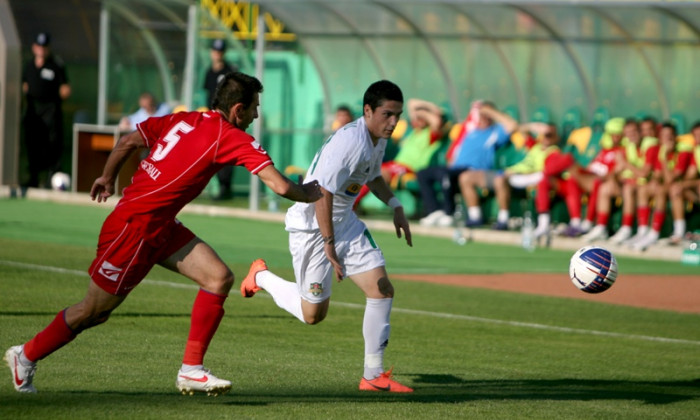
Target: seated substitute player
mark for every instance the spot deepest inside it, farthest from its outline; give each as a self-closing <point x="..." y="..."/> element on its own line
<point x="187" y="149"/>
<point x="327" y="236"/>
<point x="672" y="165"/>
<point x="685" y="189"/>
<point x="641" y="155"/>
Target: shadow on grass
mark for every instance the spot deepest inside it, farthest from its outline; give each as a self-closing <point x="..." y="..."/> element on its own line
<point x="428" y="389"/>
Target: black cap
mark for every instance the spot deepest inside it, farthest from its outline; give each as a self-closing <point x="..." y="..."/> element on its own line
<point x="43" y="39"/>
<point x="218" y="45"/>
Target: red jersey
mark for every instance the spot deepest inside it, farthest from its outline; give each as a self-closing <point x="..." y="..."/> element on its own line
<point x="605" y="161"/>
<point x="678" y="161"/>
<point x="187" y="149"/>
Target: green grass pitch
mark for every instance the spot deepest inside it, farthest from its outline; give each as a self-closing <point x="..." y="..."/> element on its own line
<point x="469" y="353"/>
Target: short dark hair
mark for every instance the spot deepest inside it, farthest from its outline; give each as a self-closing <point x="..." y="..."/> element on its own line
<point x="381" y="91"/>
<point x="344" y="108"/>
<point x="695" y="125"/>
<point x="671" y="125"/>
<point x="234" y="88"/>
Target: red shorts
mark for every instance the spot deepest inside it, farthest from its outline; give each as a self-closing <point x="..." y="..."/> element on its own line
<point x="125" y="256"/>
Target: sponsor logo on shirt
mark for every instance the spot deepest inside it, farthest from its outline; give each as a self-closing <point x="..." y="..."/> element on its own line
<point x="47" y="74"/>
<point x="150" y="169"/>
<point x="109" y="271"/>
<point x="353" y="190"/>
<point x="258" y="147"/>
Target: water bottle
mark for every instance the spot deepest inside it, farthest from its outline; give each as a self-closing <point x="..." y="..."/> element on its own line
<point x="527" y="231"/>
<point x="458" y="235"/>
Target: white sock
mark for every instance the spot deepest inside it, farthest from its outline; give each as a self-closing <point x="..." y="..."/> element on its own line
<point x="575" y="222"/>
<point x="626" y="229"/>
<point x="503" y="216"/>
<point x="652" y="234"/>
<point x="474" y="213"/>
<point x="285" y="293"/>
<point x="679" y="228"/>
<point x="190" y="368"/>
<point x="586" y="225"/>
<point x="376" y="329"/>
<point x="543" y="221"/>
<point x="642" y="230"/>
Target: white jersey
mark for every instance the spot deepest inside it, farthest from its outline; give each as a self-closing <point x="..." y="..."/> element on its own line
<point x="345" y="162"/>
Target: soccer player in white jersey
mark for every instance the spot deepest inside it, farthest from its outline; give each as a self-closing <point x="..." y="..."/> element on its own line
<point x="186" y="150"/>
<point x="327" y="236"/>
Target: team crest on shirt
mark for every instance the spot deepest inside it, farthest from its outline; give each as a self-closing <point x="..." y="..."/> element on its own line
<point x="353" y="190"/>
<point x="256" y="145"/>
<point x="316" y="289"/>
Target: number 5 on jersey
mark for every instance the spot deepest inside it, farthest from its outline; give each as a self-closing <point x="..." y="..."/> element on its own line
<point x="171" y="140"/>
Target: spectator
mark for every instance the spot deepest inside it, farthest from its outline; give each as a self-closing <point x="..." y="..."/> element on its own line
<point x="45" y="85"/>
<point x="343" y="115"/>
<point x="216" y="72"/>
<point x="672" y="164"/>
<point x="477" y="155"/>
<point x="436" y="212"/>
<point x="417" y="148"/>
<point x="148" y="107"/>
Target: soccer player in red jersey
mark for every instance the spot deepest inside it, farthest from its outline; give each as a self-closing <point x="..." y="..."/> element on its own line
<point x="186" y="150"/>
<point x="671" y="167"/>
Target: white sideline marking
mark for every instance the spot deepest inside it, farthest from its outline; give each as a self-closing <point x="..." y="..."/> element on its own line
<point x="398" y="310"/>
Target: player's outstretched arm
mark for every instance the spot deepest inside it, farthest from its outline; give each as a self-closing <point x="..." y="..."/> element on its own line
<point x="283" y="186"/>
<point x="103" y="187"/>
<point x="383" y="192"/>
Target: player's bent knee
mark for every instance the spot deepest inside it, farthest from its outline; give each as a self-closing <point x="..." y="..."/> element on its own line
<point x="385" y="287"/>
<point x="314" y="319"/>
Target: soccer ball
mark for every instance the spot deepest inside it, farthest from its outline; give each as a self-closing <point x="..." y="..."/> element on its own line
<point x="593" y="269"/>
<point x="60" y="181"/>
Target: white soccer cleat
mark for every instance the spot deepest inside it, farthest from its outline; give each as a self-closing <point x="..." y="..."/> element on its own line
<point x="444" y="221"/>
<point x="636" y="238"/>
<point x="201" y="380"/>
<point x="623" y="234"/>
<point x="430" y="219"/>
<point x="22" y="375"/>
<point x="646" y="241"/>
<point x="598" y="233"/>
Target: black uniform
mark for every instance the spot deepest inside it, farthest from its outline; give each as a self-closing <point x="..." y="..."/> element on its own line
<point x="43" y="118"/>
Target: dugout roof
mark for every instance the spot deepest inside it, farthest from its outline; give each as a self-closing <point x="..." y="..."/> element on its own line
<point x="531" y="54"/>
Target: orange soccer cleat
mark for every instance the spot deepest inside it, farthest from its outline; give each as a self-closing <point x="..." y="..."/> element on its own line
<point x="383" y="382"/>
<point x="249" y="287"/>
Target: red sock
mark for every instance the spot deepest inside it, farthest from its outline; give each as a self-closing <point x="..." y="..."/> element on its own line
<point x="207" y="312"/>
<point x="643" y="216"/>
<point x="573" y="198"/>
<point x="592" y="201"/>
<point x="658" y="221"/>
<point x="627" y="220"/>
<point x="56" y="335"/>
<point x="542" y="195"/>
<point x="603" y="218"/>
